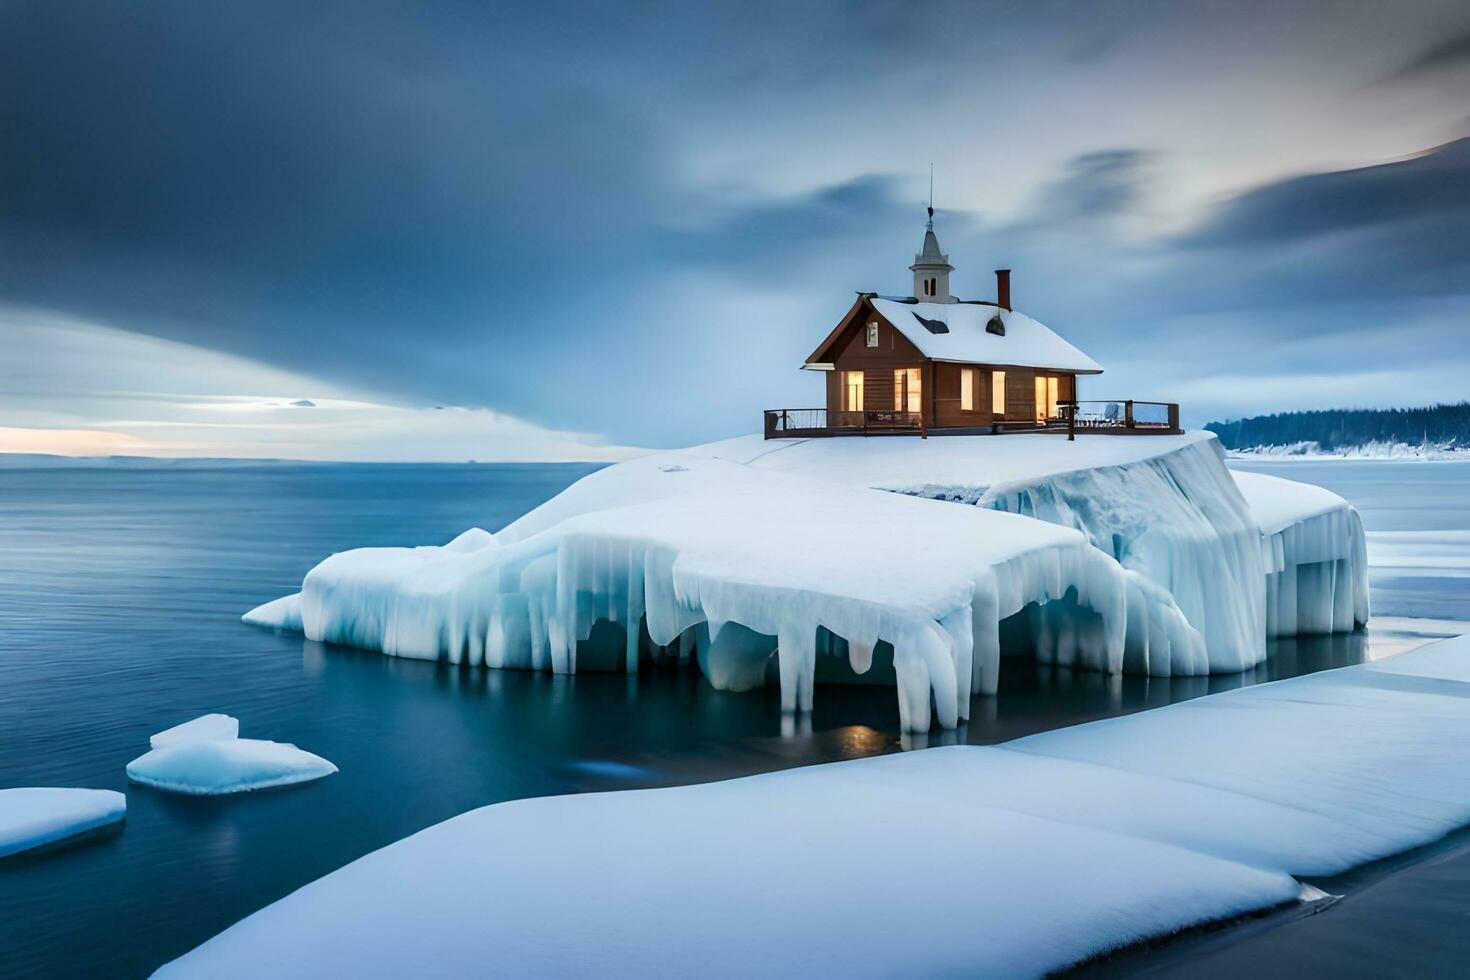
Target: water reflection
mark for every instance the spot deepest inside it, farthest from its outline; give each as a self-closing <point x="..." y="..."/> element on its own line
<point x="672" y="701"/>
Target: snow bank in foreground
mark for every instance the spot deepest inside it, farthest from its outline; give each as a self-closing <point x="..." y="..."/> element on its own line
<point x="1316" y="556"/>
<point x="206" y="757"/>
<point x="33" y="816"/>
<point x="1012" y="860"/>
<point x="746" y="566"/>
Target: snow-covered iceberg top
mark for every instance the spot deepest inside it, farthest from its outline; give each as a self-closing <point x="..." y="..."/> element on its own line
<point x="1108" y="833"/>
<point x="34" y="816"/>
<point x="204" y="728"/>
<point x="206" y="757"/>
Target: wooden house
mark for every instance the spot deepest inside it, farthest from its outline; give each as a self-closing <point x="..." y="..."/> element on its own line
<point x="932" y="362"/>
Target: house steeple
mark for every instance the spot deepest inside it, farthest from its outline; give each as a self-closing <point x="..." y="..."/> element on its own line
<point x="931" y="268"/>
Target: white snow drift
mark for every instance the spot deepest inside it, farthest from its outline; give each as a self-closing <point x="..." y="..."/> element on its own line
<point x="1012" y="860"/>
<point x="1143" y="556"/>
<point x="206" y="757"/>
<point x="32" y="816"/>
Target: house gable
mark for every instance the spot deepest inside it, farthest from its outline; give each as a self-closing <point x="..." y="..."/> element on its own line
<point x="849" y="339"/>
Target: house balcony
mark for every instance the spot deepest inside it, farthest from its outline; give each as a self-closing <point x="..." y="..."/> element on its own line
<point x="801" y="423"/>
<point x="1073" y="418"/>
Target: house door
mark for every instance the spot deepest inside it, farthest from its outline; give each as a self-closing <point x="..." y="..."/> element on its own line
<point x="908" y="390"/>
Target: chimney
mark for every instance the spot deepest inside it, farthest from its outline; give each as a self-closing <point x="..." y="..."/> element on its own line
<point x="1003" y="288"/>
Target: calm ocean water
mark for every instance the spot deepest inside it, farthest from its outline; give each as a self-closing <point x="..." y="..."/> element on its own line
<point x="120" y="597"/>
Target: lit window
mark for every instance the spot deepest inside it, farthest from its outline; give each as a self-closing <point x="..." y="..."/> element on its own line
<point x="907" y="390"/>
<point x="873" y="334"/>
<point x="1046" y="397"/>
<point x="852" y="391"/>
<point x="998" y="392"/>
<point x="967" y="389"/>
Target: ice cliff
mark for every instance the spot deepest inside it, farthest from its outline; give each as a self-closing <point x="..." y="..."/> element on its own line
<point x="1121" y="553"/>
<point x="1315" y="553"/>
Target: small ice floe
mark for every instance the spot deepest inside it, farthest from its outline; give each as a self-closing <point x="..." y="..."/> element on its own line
<point x="1316" y="897"/>
<point x="206" y="757"/>
<point x="35" y="815"/>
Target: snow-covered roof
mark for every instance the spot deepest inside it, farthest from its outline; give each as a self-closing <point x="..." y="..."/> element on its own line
<point x="1026" y="343"/>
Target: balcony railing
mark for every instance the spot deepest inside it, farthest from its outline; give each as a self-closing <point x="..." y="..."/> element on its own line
<point x="1096" y="416"/>
<point x="1123" y="416"/>
<point x="791" y="423"/>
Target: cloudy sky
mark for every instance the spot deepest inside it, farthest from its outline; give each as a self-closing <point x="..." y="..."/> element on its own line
<point x="546" y="231"/>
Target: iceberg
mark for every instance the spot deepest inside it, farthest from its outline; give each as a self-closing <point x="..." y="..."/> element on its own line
<point x="1117" y="553"/>
<point x="206" y="757"/>
<point x="33" y="816"/>
<point x="743" y="568"/>
<point x="210" y="767"/>
<point x="1013" y="860"/>
<point x="1316" y="556"/>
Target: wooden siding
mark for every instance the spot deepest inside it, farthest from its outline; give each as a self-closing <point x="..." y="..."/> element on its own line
<point x="947" y="395"/>
<point x="849" y="351"/>
<point x="894" y="351"/>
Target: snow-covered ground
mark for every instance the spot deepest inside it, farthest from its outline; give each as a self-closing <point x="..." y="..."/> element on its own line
<point x="34" y="816"/>
<point x="1134" y="553"/>
<point x="1011" y="860"/>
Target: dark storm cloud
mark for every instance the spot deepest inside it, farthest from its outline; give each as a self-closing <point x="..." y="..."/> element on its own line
<point x="1095" y="187"/>
<point x="243" y="179"/>
<point x="1453" y="52"/>
<point x="1391" y="232"/>
<point x="1433" y="184"/>
<point x="421" y="204"/>
<point x="759" y="239"/>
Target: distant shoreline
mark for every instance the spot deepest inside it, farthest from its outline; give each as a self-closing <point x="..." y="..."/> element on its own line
<point x="1373" y="451"/>
<point x="47" y="461"/>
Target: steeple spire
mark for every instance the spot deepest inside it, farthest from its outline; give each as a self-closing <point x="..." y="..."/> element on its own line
<point x="930" y="225"/>
<point x="931" y="267"/>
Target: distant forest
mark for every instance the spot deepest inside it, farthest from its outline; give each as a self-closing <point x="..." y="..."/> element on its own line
<point x="1437" y="425"/>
